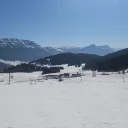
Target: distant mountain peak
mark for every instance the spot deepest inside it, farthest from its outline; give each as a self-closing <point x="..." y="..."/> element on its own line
<point x="26" y="50"/>
<point x="22" y="50"/>
<point x="92" y="45"/>
<point x="68" y="47"/>
<point x="17" y="43"/>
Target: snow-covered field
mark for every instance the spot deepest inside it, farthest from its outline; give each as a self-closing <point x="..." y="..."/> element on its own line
<point x="94" y="102"/>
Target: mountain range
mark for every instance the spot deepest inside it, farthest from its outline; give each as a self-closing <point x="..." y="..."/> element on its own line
<point x="91" y="49"/>
<point x="116" y="61"/>
<point x="111" y="62"/>
<point x="24" y="50"/>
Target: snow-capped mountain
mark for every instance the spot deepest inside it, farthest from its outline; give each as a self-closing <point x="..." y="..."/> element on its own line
<point x="97" y="50"/>
<point x="70" y="49"/>
<point x="24" y="50"/>
<point x="53" y="50"/>
<point x="91" y="49"/>
<point x="16" y="43"/>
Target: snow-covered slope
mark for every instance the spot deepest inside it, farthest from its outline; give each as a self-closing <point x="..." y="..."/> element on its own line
<point x="99" y="102"/>
<point x="16" y="43"/>
<point x="22" y="50"/>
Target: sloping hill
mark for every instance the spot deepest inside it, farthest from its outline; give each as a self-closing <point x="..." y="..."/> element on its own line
<point x="67" y="58"/>
<point x="111" y="62"/>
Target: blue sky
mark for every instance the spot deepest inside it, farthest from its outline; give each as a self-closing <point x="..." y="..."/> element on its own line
<point x="66" y="22"/>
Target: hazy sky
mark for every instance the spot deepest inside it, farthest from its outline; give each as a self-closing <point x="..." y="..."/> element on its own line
<point x="66" y="22"/>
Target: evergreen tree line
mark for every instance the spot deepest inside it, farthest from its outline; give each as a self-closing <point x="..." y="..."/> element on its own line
<point x="27" y="68"/>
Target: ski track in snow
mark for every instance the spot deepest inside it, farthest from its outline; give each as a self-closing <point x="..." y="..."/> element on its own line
<point x="100" y="102"/>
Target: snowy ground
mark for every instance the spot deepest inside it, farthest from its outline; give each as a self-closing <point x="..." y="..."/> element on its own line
<point x="100" y="102"/>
